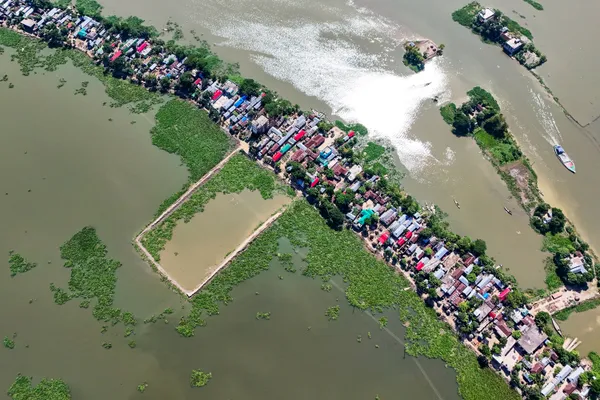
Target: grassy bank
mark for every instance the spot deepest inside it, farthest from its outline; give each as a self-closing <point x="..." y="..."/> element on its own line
<point x="587" y="305"/>
<point x="47" y="389"/>
<point x="371" y="285"/>
<point x="481" y="118"/>
<point x="238" y="174"/>
<point x="183" y="129"/>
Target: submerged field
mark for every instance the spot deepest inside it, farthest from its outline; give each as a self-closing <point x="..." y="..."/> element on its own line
<point x="201" y="245"/>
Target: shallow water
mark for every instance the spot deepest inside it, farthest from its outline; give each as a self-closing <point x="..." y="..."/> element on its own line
<point x="200" y="245"/>
<point x="83" y="169"/>
<point x="584" y="326"/>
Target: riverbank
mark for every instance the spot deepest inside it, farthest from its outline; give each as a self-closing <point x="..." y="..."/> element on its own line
<point x="481" y="118"/>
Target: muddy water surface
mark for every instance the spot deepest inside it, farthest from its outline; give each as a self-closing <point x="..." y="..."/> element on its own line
<point x="199" y="246"/>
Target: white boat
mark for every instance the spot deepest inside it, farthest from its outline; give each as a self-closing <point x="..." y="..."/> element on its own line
<point x="564" y="158"/>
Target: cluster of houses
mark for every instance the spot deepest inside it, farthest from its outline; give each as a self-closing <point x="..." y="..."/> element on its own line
<point x="463" y="293"/>
<point x="513" y="43"/>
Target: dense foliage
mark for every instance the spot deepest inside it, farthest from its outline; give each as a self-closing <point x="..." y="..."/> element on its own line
<point x="93" y="276"/>
<point x="18" y="264"/>
<point x="412" y="58"/>
<point x="373" y="151"/>
<point x="47" y="389"/>
<point x="358" y="128"/>
<point x="238" y="174"/>
<point x="185" y="130"/>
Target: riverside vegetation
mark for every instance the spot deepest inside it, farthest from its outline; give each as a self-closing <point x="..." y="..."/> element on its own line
<point x="480" y="117"/>
<point x="491" y="32"/>
<point x="47" y="389"/>
<point x="183" y="129"/>
<point x="237" y="174"/>
<point x="371" y="285"/>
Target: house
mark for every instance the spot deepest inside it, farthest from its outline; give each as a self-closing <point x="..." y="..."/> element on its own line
<point x="388" y="217"/>
<point x="485" y="15"/>
<point x="260" y="125"/>
<point x="512" y="46"/>
<point x="532" y="339"/>
<point x="354" y="171"/>
<point x="576" y="265"/>
<point x="28" y="24"/>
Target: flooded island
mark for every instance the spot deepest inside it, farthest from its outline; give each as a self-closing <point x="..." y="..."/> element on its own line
<point x="274" y="192"/>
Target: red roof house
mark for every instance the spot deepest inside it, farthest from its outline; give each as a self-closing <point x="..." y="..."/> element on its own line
<point x="116" y="55"/>
<point x="299" y="135"/>
<point x="277" y="156"/>
<point x="503" y="294"/>
<point x="217" y="94"/>
<point x="384" y="237"/>
<point x="314" y="183"/>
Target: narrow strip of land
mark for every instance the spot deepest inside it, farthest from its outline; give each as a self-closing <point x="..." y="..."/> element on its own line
<point x="176" y="204"/>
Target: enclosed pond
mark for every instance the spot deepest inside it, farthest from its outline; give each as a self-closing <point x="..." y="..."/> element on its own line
<point x="199" y="246"/>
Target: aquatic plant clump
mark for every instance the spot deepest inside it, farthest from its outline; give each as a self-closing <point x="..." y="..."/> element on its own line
<point x="263" y="315"/>
<point x="18" y="264"/>
<point x="47" y="389"/>
<point x="9" y="343"/>
<point x="332" y="313"/>
<point x="93" y="276"/>
<point x="183" y="129"/>
<point x="199" y="378"/>
<point x="238" y="174"/>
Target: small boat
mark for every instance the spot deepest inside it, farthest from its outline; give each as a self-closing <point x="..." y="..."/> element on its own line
<point x="456" y="203"/>
<point x="508" y="211"/>
<point x="564" y="158"/>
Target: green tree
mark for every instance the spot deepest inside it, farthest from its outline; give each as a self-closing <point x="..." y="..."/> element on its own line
<point x="343" y="201"/>
<point x="462" y="124"/>
<point x="557" y="223"/>
<point x="186" y="81"/>
<point x="332" y="215"/>
<point x="479" y="247"/>
<point x="496" y="126"/>
<point x="165" y="84"/>
<point x="250" y="87"/>
<point x="53" y="35"/>
<point x="542" y="319"/>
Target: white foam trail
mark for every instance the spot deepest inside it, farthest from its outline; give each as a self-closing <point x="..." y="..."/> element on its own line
<point x="326" y="60"/>
<point x="542" y="110"/>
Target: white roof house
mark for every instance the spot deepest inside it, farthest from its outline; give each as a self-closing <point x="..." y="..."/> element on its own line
<point x="485" y="15"/>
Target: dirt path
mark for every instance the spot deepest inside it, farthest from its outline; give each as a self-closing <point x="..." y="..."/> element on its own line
<point x="182" y="199"/>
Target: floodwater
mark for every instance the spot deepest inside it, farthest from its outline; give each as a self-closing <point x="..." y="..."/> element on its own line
<point x="344" y="57"/>
<point x="64" y="165"/>
<point x="199" y="246"/>
<point x="584" y="326"/>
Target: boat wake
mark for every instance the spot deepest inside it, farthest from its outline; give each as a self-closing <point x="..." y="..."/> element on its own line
<point x="542" y="109"/>
<point x="350" y="63"/>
